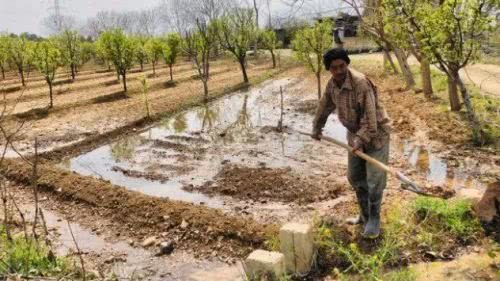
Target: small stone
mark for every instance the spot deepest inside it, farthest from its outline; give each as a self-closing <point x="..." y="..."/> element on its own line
<point x="150" y="241"/>
<point x="166" y="247"/>
<point x="131" y="242"/>
<point x="184" y="224"/>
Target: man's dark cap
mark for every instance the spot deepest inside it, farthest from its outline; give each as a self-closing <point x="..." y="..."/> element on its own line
<point x="334" y="54"/>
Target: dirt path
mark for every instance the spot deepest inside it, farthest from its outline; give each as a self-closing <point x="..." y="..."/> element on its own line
<point x="486" y="77"/>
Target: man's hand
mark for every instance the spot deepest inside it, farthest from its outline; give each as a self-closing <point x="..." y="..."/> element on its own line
<point x="357" y="145"/>
<point x="316" y="136"/>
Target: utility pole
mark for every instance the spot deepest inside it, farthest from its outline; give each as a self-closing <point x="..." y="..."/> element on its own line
<point x="57" y="15"/>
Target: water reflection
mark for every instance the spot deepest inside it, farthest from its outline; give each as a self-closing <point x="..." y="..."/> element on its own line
<point x="208" y="115"/>
<point x="437" y="170"/>
<point x="124" y="149"/>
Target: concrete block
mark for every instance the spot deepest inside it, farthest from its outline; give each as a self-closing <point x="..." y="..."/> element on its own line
<point x="264" y="263"/>
<point x="297" y="245"/>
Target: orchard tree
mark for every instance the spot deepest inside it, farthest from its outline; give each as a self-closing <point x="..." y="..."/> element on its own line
<point x="197" y="46"/>
<point x="70" y="46"/>
<point x="120" y="49"/>
<point x="19" y="54"/>
<point x="403" y="36"/>
<point x="171" y="51"/>
<point x="236" y="31"/>
<point x="451" y="33"/>
<point x="4" y="54"/>
<point x="47" y="58"/>
<point x="142" y="53"/>
<point x="310" y="44"/>
<point x="87" y="52"/>
<point x="270" y="42"/>
<point x="154" y="49"/>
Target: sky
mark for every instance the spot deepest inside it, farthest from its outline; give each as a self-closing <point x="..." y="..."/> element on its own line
<point x="18" y="16"/>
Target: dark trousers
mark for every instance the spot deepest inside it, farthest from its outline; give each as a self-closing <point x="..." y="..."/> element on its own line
<point x="368" y="181"/>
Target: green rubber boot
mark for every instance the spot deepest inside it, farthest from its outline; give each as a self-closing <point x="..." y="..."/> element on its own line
<point x="363" y="210"/>
<point x="372" y="227"/>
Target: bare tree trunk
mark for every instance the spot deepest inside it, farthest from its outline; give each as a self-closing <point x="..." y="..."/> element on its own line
<point x="34" y="183"/>
<point x="388" y="58"/>
<point x="154" y="69"/>
<point x="405" y="68"/>
<point x="50" y="95"/>
<point x="73" y="74"/>
<point x="205" y="90"/>
<point x="171" y="75"/>
<point x="142" y="66"/>
<point x="453" y="94"/>
<point x="274" y="58"/>
<point x="426" y="77"/>
<point x="318" y="78"/>
<point x="256" y="8"/>
<point x="21" y="73"/>
<point x="243" y="70"/>
<point x="478" y="135"/>
<point x="124" y="77"/>
<point x="3" y="72"/>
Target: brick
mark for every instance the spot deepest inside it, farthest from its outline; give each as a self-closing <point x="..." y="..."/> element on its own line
<point x="297" y="246"/>
<point x="264" y="263"/>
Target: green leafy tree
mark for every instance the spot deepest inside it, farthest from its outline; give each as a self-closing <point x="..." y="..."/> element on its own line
<point x="451" y="32"/>
<point x="101" y="55"/>
<point x="171" y="52"/>
<point x="19" y="54"/>
<point x="142" y="53"/>
<point x="403" y="36"/>
<point x="47" y="58"/>
<point x="310" y="43"/>
<point x="236" y="31"/>
<point x="120" y="49"/>
<point x="270" y="42"/>
<point x="70" y="46"/>
<point x="154" y="48"/>
<point x="88" y="51"/>
<point x="4" y="53"/>
<point x="197" y="46"/>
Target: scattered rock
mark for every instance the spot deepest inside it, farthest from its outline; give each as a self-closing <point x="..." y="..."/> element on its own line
<point x="150" y="241"/>
<point x="166" y="248"/>
<point x="184" y="224"/>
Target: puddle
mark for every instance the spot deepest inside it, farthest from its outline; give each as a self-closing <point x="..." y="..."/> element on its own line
<point x="191" y="147"/>
<point x="459" y="175"/>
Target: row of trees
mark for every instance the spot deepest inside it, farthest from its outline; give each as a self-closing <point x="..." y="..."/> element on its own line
<point x="234" y="32"/>
<point x="443" y="33"/>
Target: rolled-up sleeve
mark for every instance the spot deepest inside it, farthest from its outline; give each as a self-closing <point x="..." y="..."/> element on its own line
<point x="325" y="107"/>
<point x="368" y="123"/>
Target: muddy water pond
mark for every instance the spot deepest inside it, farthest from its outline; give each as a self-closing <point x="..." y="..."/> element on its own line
<point x="192" y="147"/>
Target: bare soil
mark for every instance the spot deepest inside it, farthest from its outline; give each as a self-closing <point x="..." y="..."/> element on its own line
<point x="263" y="184"/>
<point x="138" y="216"/>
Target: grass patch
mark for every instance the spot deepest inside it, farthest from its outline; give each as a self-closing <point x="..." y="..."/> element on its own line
<point x="26" y="257"/>
<point x="485" y="106"/>
<point x="426" y="229"/>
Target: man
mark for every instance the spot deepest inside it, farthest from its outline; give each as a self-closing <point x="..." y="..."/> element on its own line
<point x="355" y="100"/>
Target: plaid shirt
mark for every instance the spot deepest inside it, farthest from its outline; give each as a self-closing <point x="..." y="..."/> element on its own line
<point x="358" y="110"/>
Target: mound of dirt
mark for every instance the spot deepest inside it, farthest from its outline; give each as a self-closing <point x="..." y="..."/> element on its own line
<point x="137" y="215"/>
<point x="307" y="106"/>
<point x="262" y="184"/>
<point x="141" y="175"/>
<point x="488" y="210"/>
